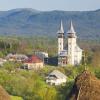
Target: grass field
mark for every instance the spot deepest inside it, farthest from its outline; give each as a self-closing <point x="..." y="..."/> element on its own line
<point x="16" y="98"/>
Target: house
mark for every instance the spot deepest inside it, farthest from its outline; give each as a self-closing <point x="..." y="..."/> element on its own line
<point x="16" y="57"/>
<point x="43" y="56"/>
<point x="69" y="53"/>
<point x="56" y="78"/>
<point x="33" y="62"/>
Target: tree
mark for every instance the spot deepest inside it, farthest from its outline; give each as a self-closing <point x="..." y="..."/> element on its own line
<point x="1" y="54"/>
<point x="11" y="66"/>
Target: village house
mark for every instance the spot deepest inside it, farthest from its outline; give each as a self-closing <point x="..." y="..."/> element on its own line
<point x="33" y="62"/>
<point x="42" y="55"/>
<point x="56" y="78"/>
<point x="16" y="57"/>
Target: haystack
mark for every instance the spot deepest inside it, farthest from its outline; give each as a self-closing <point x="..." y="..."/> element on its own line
<point x="4" y="95"/>
<point x="86" y="87"/>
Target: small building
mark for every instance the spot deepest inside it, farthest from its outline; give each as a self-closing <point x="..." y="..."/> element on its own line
<point x="42" y="55"/>
<point x="16" y="57"/>
<point x="62" y="58"/>
<point x="56" y="78"/>
<point x="33" y="62"/>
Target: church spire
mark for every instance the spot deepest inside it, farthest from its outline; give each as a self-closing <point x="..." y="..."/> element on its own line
<point x="71" y="28"/>
<point x="61" y="30"/>
<point x="71" y="32"/>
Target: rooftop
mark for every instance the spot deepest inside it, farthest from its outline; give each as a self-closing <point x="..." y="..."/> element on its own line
<point x="61" y="30"/>
<point x="33" y="59"/>
<point x="71" y="30"/>
<point x="58" y="74"/>
<point x="63" y="53"/>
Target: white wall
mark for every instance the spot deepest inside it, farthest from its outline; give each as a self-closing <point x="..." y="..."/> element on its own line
<point x="35" y="66"/>
<point x="71" y="50"/>
<point x="60" y="45"/>
<point x="57" y="81"/>
<point x="74" y="57"/>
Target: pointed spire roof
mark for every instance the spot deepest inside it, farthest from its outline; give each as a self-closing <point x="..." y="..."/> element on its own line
<point x="61" y="30"/>
<point x="71" y="28"/>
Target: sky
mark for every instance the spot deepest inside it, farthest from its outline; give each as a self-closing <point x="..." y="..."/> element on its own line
<point x="45" y="5"/>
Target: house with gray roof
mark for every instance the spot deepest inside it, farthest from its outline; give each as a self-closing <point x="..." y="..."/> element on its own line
<point x="56" y="78"/>
<point x="16" y="57"/>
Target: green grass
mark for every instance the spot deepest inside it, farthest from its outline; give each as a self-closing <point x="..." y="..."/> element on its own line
<point x="16" y="98"/>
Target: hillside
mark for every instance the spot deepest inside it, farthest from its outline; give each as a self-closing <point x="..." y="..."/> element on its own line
<point x="86" y="87"/>
<point x="32" y="22"/>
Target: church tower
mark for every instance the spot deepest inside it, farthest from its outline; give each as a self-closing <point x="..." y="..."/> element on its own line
<point x="71" y="45"/>
<point x="60" y="39"/>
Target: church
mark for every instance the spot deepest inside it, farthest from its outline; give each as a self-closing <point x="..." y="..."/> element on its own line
<point x="70" y="53"/>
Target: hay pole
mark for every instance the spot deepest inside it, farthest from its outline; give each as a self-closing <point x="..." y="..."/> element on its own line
<point x="85" y="59"/>
<point x="79" y="93"/>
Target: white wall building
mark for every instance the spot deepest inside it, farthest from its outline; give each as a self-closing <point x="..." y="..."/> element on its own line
<point x="56" y="78"/>
<point x="41" y="55"/>
<point x="72" y="55"/>
<point x="34" y="63"/>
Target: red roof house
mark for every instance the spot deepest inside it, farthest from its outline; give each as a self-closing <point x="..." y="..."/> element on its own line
<point x="33" y="62"/>
<point x="33" y="59"/>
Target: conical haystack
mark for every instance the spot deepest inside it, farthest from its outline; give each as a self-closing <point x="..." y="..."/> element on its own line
<point x="4" y="95"/>
<point x="86" y="87"/>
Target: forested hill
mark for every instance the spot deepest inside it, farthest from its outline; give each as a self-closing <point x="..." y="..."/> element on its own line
<point x="33" y="22"/>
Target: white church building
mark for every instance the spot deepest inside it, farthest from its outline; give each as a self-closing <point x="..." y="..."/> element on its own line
<point x="72" y="54"/>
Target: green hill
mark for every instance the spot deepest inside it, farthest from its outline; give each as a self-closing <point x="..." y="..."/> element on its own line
<point x="32" y="22"/>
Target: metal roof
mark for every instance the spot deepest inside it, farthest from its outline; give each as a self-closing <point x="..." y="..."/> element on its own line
<point x="61" y="30"/>
<point x="71" y="28"/>
<point x="58" y="74"/>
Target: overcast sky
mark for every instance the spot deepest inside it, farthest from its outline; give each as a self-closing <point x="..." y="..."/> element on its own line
<point x="67" y="5"/>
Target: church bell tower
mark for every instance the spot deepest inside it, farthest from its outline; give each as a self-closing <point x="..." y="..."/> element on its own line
<point x="60" y="38"/>
<point x="71" y="44"/>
